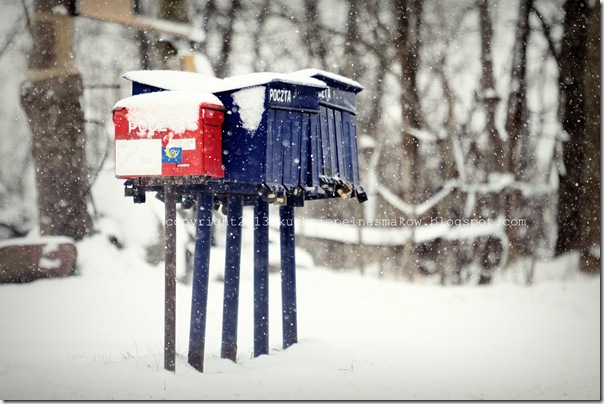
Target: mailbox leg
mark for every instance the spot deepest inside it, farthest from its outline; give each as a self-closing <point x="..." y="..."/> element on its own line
<point x="231" y="278"/>
<point x="288" y="276"/>
<point x="260" y="277"/>
<point x="201" y="269"/>
<point x="170" y="278"/>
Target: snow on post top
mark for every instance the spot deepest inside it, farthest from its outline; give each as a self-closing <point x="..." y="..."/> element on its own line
<point x="177" y="110"/>
<point x="356" y="86"/>
<point x="173" y="80"/>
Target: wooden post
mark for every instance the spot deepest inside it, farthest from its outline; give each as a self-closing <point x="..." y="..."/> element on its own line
<point x="170" y="278"/>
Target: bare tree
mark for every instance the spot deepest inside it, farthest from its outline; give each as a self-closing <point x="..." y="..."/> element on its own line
<point x="517" y="125"/>
<point x="51" y="98"/>
<point x="493" y="144"/>
<point x="219" y="25"/>
<point x="408" y="19"/>
<point x="579" y="189"/>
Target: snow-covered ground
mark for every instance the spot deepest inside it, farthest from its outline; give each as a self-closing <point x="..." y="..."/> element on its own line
<point x="99" y="335"/>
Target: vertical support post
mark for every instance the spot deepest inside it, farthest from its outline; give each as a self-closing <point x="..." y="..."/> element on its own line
<point x="260" y="277"/>
<point x="170" y="278"/>
<point x="288" y="276"/>
<point x="231" y="278"/>
<point x="201" y="269"/>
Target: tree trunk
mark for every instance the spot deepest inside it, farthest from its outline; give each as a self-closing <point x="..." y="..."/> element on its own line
<point x="572" y="196"/>
<point x="51" y="99"/>
<point x="579" y="189"/>
<point x="518" y="159"/>
<point x="489" y="97"/>
<point x="409" y="17"/>
<point x="316" y="41"/>
<point x="495" y="161"/>
<point x="591" y="213"/>
<point x="177" y="11"/>
<point x="212" y="20"/>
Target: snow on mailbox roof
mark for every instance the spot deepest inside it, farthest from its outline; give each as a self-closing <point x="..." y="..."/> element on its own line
<point x="173" y="80"/>
<point x="177" y="80"/>
<point x="328" y="75"/>
<point x="260" y="78"/>
<point x="176" y="110"/>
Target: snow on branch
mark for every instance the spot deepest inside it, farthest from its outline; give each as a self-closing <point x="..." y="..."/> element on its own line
<point x="422" y="134"/>
<point x="390" y="232"/>
<point x="423" y="207"/>
<point x="496" y="184"/>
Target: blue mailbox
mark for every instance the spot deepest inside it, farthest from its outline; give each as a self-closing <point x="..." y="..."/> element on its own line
<point x="336" y="144"/>
<point x="270" y="121"/>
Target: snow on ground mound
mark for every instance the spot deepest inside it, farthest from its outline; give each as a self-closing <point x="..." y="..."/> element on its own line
<point x="99" y="335"/>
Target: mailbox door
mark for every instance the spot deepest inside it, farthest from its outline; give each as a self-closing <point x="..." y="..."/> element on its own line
<point x="326" y="169"/>
<point x="292" y="136"/>
<point x="347" y="139"/>
<point x="289" y="140"/>
<point x="276" y="119"/>
<point x="341" y="144"/>
<point x="243" y="153"/>
<point x="303" y="163"/>
<point x="350" y="124"/>
<point x="181" y="154"/>
<point x="333" y="145"/>
<point x="314" y="154"/>
<point x="283" y="150"/>
<point x="338" y="144"/>
<point x="162" y="152"/>
<point x="211" y="143"/>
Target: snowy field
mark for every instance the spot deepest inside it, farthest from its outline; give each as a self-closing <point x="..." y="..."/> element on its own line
<point x="99" y="335"/>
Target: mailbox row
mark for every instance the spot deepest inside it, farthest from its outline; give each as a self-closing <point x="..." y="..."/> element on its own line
<point x="282" y="136"/>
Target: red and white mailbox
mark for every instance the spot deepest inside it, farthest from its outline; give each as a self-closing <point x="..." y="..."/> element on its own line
<point x="169" y="134"/>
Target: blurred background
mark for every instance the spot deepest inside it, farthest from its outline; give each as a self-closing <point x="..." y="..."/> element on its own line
<point x="478" y="126"/>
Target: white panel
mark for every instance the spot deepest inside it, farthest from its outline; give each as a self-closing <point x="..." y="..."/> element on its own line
<point x="138" y="157"/>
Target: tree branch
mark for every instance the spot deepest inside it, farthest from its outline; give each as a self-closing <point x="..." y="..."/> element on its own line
<point x="547" y="35"/>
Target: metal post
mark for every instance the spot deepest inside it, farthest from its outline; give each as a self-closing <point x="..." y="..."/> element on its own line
<point x="288" y="276"/>
<point x="201" y="268"/>
<point x="231" y="278"/>
<point x="170" y="278"/>
<point x="260" y="277"/>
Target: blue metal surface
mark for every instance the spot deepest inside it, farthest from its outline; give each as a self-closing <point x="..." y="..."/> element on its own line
<point x="231" y="278"/>
<point x="341" y="144"/>
<point x="337" y="134"/>
<point x="288" y="276"/>
<point x="271" y="155"/>
<point x="302" y="166"/>
<point x="260" y="277"/>
<point x="140" y="88"/>
<point x="332" y="143"/>
<point x="323" y="141"/>
<point x="201" y="268"/>
<point x="352" y="157"/>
